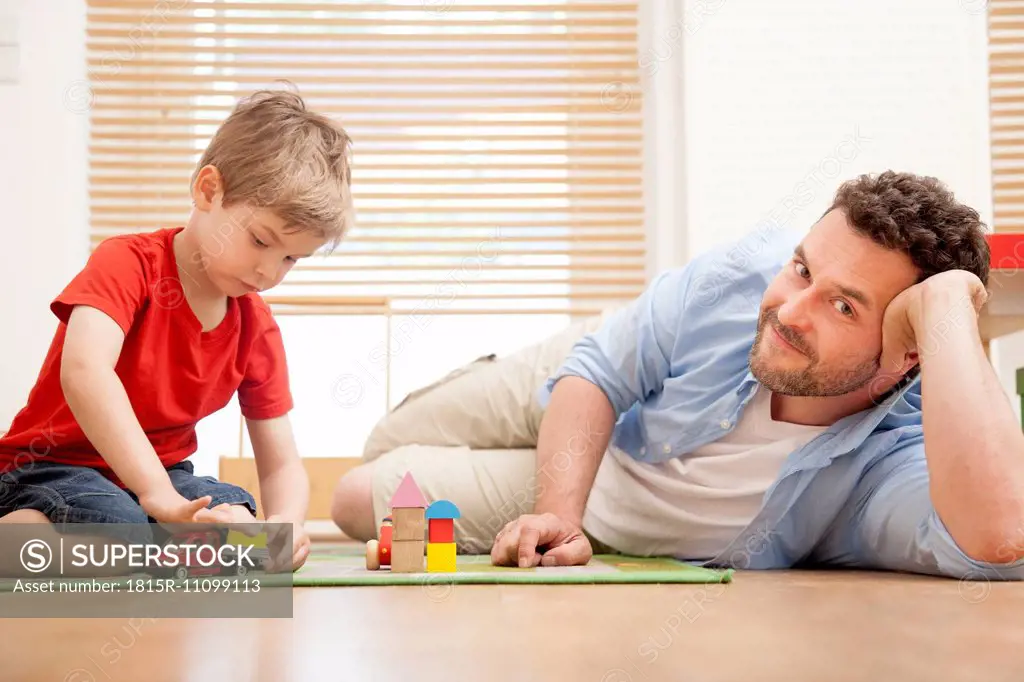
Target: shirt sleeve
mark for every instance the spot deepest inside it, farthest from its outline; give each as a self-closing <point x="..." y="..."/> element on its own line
<point x="629" y="357"/>
<point x="892" y="525"/>
<point x="115" y="280"/>
<point x="265" y="392"/>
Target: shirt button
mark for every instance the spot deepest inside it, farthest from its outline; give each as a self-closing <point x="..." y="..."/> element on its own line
<point x="666" y="448"/>
<point x="725" y="423"/>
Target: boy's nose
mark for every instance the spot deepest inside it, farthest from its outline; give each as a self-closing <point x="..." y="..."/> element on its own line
<point x="263" y="271"/>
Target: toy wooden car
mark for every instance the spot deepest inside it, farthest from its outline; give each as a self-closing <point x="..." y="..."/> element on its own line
<point x="378" y="552"/>
<point x="187" y="565"/>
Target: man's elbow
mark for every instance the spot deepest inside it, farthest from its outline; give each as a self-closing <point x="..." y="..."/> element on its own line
<point x="1002" y="544"/>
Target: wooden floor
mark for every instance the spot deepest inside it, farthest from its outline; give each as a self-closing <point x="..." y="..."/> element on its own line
<point x="764" y="626"/>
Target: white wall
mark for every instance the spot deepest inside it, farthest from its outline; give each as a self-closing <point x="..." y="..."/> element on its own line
<point x="772" y="91"/>
<point x="783" y="100"/>
<point x="43" y="185"/>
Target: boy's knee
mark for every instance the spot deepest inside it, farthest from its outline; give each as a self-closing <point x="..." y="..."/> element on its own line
<point x="352" y="503"/>
<point x="72" y="494"/>
<point x="116" y="517"/>
<point x="25" y="516"/>
<point x="126" y="512"/>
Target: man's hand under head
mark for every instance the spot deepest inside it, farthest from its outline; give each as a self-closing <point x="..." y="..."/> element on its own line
<point x="540" y="540"/>
<point x="908" y="324"/>
<point x="976" y="483"/>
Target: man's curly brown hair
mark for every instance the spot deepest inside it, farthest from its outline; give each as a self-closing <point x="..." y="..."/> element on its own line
<point x="918" y="216"/>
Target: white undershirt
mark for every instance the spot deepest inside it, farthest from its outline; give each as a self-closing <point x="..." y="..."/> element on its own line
<point x="694" y="505"/>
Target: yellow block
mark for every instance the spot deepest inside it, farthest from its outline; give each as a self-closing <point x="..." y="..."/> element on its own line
<point x="235" y="537"/>
<point x="440" y="557"/>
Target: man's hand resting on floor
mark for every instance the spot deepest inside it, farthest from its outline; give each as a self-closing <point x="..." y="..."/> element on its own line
<point x="540" y="539"/>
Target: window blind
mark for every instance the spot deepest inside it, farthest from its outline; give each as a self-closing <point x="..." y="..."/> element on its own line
<point x="497" y="146"/>
<point x="1006" y="83"/>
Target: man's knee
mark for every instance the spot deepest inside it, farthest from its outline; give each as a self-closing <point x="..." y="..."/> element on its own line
<point x="352" y="504"/>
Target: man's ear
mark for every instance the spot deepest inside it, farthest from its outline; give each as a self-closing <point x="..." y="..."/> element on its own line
<point x="910" y="361"/>
<point x="900" y="365"/>
<point x="208" y="188"/>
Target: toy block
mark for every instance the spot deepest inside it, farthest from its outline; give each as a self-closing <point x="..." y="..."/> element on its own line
<point x="443" y="509"/>
<point x="408" y="494"/>
<point x="407" y="556"/>
<point x="408" y="524"/>
<point x="384" y="551"/>
<point x="441" y="557"/>
<point x="441" y="530"/>
<point x="237" y="537"/>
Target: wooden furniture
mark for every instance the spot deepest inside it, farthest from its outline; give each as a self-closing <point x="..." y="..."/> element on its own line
<point x="323" y="473"/>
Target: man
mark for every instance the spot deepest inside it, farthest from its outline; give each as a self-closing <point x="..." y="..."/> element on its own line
<point x="783" y="401"/>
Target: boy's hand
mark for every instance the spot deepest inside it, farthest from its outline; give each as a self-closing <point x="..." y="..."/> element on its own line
<point x="173" y="508"/>
<point x="284" y="489"/>
<point x="281" y="558"/>
<point x="237" y="515"/>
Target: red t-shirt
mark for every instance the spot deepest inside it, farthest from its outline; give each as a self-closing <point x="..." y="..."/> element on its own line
<point x="174" y="373"/>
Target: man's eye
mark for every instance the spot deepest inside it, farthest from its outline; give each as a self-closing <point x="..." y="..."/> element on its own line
<point x="802" y="270"/>
<point x="844" y="308"/>
<point x="258" y="242"/>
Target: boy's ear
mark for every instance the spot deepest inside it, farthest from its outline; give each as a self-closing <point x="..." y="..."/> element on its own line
<point x="208" y="188"/>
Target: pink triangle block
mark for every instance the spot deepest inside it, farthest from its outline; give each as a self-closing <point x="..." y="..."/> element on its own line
<point x="408" y="494"/>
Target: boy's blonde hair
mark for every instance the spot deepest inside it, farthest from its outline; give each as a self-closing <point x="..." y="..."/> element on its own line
<point x="273" y="153"/>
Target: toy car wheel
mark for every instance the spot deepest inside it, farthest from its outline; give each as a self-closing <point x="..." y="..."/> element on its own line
<point x="372" y="560"/>
<point x="181" y="572"/>
<point x="241" y="570"/>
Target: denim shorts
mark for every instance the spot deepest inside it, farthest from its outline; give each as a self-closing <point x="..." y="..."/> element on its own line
<point x="66" y="493"/>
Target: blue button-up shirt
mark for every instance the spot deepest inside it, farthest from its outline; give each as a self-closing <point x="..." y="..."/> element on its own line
<point x="674" y="365"/>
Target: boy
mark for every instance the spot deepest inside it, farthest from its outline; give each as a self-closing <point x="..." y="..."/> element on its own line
<point x="161" y="329"/>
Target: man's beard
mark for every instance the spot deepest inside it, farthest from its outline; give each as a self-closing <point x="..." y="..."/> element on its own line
<point x="813" y="380"/>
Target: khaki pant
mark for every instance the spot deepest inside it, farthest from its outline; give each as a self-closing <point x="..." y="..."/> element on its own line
<point x="471" y="438"/>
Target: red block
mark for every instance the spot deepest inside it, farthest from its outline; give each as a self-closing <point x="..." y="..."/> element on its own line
<point x="441" y="530"/>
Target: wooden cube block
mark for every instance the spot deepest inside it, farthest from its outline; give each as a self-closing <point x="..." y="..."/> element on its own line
<point x="409" y="523"/>
<point x="441" y="557"/>
<point x="441" y="530"/>
<point x="407" y="556"/>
